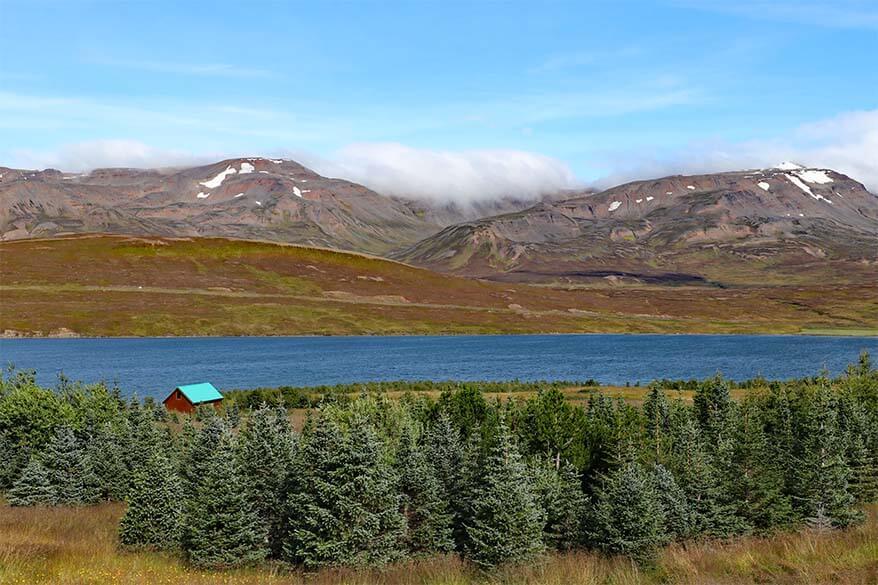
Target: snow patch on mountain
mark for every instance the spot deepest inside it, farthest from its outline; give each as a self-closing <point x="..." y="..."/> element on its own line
<point x="218" y="180"/>
<point x="798" y="183"/>
<point x="812" y="176"/>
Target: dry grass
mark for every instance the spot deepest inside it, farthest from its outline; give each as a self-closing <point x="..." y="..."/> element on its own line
<point x="114" y="285"/>
<point x="78" y="547"/>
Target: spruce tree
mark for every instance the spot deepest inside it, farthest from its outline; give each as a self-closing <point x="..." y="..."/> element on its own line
<point x="105" y="452"/>
<point x="424" y="500"/>
<point x="342" y="506"/>
<point x="33" y="487"/>
<point x="560" y="496"/>
<point x="506" y="523"/>
<point x="674" y="504"/>
<point x="220" y="526"/>
<point x="450" y="457"/>
<point x="756" y="477"/>
<point x="265" y="450"/>
<point x="70" y="473"/>
<point x="861" y="448"/>
<point x="657" y="412"/>
<point x="627" y="517"/>
<point x="153" y="518"/>
<point x="822" y="496"/>
<point x="692" y="464"/>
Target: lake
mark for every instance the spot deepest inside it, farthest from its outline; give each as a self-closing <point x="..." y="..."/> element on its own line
<point x="153" y="366"/>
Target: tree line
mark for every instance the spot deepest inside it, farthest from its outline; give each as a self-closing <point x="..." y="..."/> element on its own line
<point x="373" y="480"/>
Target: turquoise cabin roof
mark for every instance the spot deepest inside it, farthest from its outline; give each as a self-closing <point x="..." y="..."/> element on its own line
<point x="202" y="392"/>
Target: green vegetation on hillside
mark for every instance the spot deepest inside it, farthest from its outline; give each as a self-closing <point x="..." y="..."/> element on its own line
<point x="123" y="286"/>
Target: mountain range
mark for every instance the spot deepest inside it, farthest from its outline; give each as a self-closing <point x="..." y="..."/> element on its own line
<point x="784" y="225"/>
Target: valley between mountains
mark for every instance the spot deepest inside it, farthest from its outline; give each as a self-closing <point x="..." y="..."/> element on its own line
<point x="256" y="246"/>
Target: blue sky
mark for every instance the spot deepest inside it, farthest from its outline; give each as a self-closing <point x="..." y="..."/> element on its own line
<point x="603" y="89"/>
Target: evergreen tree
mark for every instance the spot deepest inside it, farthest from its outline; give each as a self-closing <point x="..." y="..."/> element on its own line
<point x="861" y="448"/>
<point x="559" y="494"/>
<point x="674" y="504"/>
<point x="822" y="495"/>
<point x="265" y="450"/>
<point x="342" y="506"/>
<point x="105" y="453"/>
<point x="154" y="515"/>
<point x="712" y="513"/>
<point x="198" y="451"/>
<point x="424" y="500"/>
<point x="506" y="523"/>
<point x="627" y="517"/>
<point x="220" y="526"/>
<point x="756" y="481"/>
<point x="657" y="412"/>
<point x="33" y="487"/>
<point x="549" y="426"/>
<point x="13" y="459"/>
<point x="70" y="474"/>
<point x="714" y="408"/>
<point x="452" y="461"/>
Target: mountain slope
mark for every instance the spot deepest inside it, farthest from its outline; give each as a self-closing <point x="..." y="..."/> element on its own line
<point x="248" y="198"/>
<point x="124" y="285"/>
<point x="245" y="198"/>
<point x="787" y="224"/>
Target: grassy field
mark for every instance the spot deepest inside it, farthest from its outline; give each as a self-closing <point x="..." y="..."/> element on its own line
<point x="124" y="286"/>
<point x="64" y="546"/>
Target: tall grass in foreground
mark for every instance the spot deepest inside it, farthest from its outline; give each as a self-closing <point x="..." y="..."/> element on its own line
<point x="78" y="546"/>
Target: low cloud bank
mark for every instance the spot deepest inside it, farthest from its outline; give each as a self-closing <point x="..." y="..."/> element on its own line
<point x="93" y="154"/>
<point x="847" y="143"/>
<point x="462" y="177"/>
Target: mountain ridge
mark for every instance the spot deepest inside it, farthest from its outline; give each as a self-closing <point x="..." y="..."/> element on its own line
<point x="788" y="222"/>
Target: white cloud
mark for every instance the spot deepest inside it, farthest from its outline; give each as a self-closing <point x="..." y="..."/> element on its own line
<point x="462" y="177"/>
<point x="84" y="156"/>
<point x="847" y="143"/>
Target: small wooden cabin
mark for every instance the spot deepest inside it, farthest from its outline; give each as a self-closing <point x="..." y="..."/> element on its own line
<point x="186" y="398"/>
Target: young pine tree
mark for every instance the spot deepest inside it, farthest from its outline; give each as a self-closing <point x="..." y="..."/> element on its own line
<point x="69" y="470"/>
<point x="673" y="502"/>
<point x="627" y="517"/>
<point x="756" y="476"/>
<point x="693" y="466"/>
<point x="342" y="506"/>
<point x="265" y="451"/>
<point x="822" y="495"/>
<point x="33" y="487"/>
<point x="153" y="518"/>
<point x="105" y="452"/>
<point x="220" y="526"/>
<point x="506" y="523"/>
<point x="560" y="496"/>
<point x="424" y="499"/>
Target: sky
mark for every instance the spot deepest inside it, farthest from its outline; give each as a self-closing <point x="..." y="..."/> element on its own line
<point x="437" y="98"/>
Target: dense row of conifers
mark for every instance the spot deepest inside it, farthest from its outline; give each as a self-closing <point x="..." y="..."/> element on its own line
<point x="372" y="480"/>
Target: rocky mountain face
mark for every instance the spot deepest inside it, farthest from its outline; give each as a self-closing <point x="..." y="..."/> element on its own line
<point x="249" y="198"/>
<point x="783" y="225"/>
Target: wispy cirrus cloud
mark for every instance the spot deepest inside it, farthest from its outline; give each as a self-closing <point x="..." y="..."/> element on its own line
<point x="194" y="69"/>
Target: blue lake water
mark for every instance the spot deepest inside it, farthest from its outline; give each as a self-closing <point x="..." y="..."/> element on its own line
<point x="152" y="366"/>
